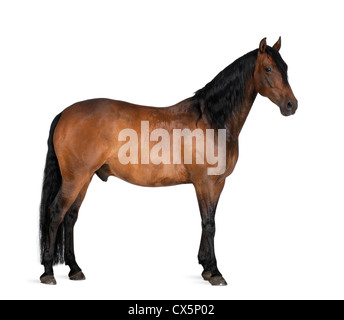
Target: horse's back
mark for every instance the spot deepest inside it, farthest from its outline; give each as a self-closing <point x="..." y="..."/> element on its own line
<point x="86" y="141"/>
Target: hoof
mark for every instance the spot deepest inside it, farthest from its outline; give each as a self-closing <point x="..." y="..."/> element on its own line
<point x="206" y="275"/>
<point x="218" y="281"/>
<point x="77" y="276"/>
<point x="48" y="279"/>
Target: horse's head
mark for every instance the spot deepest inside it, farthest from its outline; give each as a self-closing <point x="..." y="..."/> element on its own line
<point x="271" y="79"/>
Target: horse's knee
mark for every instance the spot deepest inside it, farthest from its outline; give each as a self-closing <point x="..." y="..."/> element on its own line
<point x="208" y="227"/>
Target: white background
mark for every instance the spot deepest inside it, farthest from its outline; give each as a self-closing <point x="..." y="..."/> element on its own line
<point x="280" y="219"/>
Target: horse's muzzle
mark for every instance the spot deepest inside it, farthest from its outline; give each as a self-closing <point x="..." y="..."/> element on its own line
<point x="290" y="108"/>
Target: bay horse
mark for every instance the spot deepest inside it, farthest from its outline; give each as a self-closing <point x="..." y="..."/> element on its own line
<point x="85" y="140"/>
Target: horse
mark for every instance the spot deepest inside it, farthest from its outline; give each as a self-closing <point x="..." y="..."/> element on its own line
<point x="91" y="138"/>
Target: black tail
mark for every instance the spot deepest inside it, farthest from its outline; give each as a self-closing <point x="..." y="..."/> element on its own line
<point x="51" y="184"/>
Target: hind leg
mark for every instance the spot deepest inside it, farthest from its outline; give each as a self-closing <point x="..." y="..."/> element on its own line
<point x="63" y="201"/>
<point x="48" y="255"/>
<point x="69" y="222"/>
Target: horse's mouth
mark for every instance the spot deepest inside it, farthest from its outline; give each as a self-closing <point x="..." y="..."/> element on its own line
<point x="287" y="112"/>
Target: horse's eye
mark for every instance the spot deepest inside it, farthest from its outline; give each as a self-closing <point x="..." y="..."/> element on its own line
<point x="268" y="69"/>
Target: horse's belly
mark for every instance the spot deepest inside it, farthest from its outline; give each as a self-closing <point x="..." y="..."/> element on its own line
<point x="150" y="175"/>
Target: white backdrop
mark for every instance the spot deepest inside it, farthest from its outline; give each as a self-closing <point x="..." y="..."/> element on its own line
<point x="280" y="218"/>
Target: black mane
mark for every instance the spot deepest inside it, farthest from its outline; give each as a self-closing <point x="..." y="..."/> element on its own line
<point x="222" y="96"/>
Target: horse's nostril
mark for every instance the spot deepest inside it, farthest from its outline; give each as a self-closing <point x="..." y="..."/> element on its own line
<point x="289" y="105"/>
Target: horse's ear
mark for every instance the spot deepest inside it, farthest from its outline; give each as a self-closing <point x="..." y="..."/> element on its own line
<point x="277" y="45"/>
<point x="262" y="45"/>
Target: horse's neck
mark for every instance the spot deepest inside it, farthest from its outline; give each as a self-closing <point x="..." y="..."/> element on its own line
<point x="237" y="121"/>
